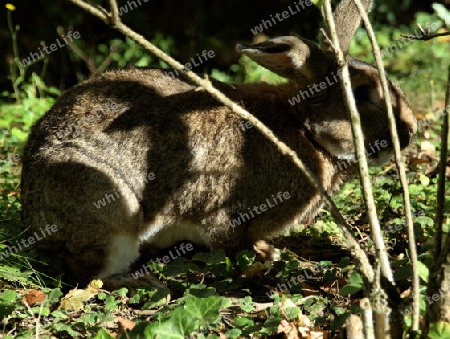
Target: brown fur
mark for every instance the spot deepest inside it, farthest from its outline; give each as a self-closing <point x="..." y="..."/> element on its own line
<point x="130" y="123"/>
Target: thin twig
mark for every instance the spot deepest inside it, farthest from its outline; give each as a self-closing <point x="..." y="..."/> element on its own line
<point x="441" y="181"/>
<point x="425" y="34"/>
<point x="439" y="270"/>
<point x="73" y="46"/>
<point x="384" y="327"/>
<point x="367" y="319"/>
<point x="400" y="166"/>
<point x="114" y="13"/>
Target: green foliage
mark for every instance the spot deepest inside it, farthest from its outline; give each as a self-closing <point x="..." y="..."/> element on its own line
<point x="355" y="284"/>
<point x="389" y="10"/>
<point x="247" y="71"/>
<point x="245" y="259"/>
<point x="443" y="13"/>
<point x="25" y="86"/>
<point x="6" y="299"/>
<point x="440" y="330"/>
<point x="200" y="286"/>
<point x="129" y="53"/>
<point x="420" y="62"/>
<point x="196" y="314"/>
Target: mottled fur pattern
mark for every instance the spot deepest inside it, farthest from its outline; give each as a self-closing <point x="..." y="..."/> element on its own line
<point x="104" y="136"/>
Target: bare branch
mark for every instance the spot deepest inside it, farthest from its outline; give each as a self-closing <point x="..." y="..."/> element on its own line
<point x="425" y="34"/>
<point x="86" y="58"/>
<point x="399" y="163"/>
<point x="439" y="278"/>
<point x="441" y="181"/>
<point x="389" y="329"/>
<point x="114" y="13"/>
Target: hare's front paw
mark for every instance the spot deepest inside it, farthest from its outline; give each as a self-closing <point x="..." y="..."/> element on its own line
<point x="265" y="251"/>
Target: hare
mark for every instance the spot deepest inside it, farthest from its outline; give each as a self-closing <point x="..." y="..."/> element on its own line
<point x="137" y="158"/>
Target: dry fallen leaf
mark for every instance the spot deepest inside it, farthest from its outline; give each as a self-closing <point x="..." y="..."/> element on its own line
<point x="405" y="293"/>
<point x="318" y="335"/>
<point x="95" y="284"/>
<point x="289" y="329"/>
<point x="33" y="297"/>
<point x="333" y="287"/>
<point x="73" y="301"/>
<point x="416" y="161"/>
<point x="125" y="325"/>
<point x="285" y="304"/>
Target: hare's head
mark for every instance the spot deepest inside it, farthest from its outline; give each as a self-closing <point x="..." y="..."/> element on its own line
<point x="318" y="98"/>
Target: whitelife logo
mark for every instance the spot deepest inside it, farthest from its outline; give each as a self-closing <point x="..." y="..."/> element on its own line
<point x="165" y="259"/>
<point x="49" y="229"/>
<point x="188" y="66"/>
<point x="263" y="207"/>
<point x="378" y="144"/>
<point x="285" y="14"/>
<point x="307" y="93"/>
<point x="106" y="198"/>
<point x="53" y="47"/>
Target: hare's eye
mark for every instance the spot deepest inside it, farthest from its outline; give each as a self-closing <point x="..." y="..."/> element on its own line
<point x="362" y="93"/>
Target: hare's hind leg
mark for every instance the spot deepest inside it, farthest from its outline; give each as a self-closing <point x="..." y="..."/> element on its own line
<point x="98" y="219"/>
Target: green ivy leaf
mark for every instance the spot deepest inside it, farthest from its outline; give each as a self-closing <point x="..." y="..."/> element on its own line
<point x="439" y="330"/>
<point x="247" y="304"/>
<point x="424" y="180"/>
<point x="356" y="279"/>
<point x="424" y="221"/>
<point x="355" y="284"/>
<point x="207" y="310"/>
<point x="101" y="296"/>
<point x="158" y="298"/>
<point x="103" y="334"/>
<point x="111" y="303"/>
<point x="339" y="321"/>
<point x="8" y="296"/>
<point x="234" y="333"/>
<point x="245" y="259"/>
<point x="177" y="327"/>
<point x="213" y="257"/>
<point x="22" y="136"/>
<point x="60" y="314"/>
<point x="292" y="312"/>
<point x="60" y="327"/>
<point x="403" y="273"/>
<point x="180" y="266"/>
<point x="201" y="291"/>
<point x="243" y="322"/>
<point x="122" y="292"/>
<point x="423" y="271"/>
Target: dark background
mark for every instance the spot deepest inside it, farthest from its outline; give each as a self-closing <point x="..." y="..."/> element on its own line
<point x="194" y="25"/>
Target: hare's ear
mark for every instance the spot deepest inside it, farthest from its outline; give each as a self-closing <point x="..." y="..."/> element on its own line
<point x="347" y="19"/>
<point x="289" y="57"/>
